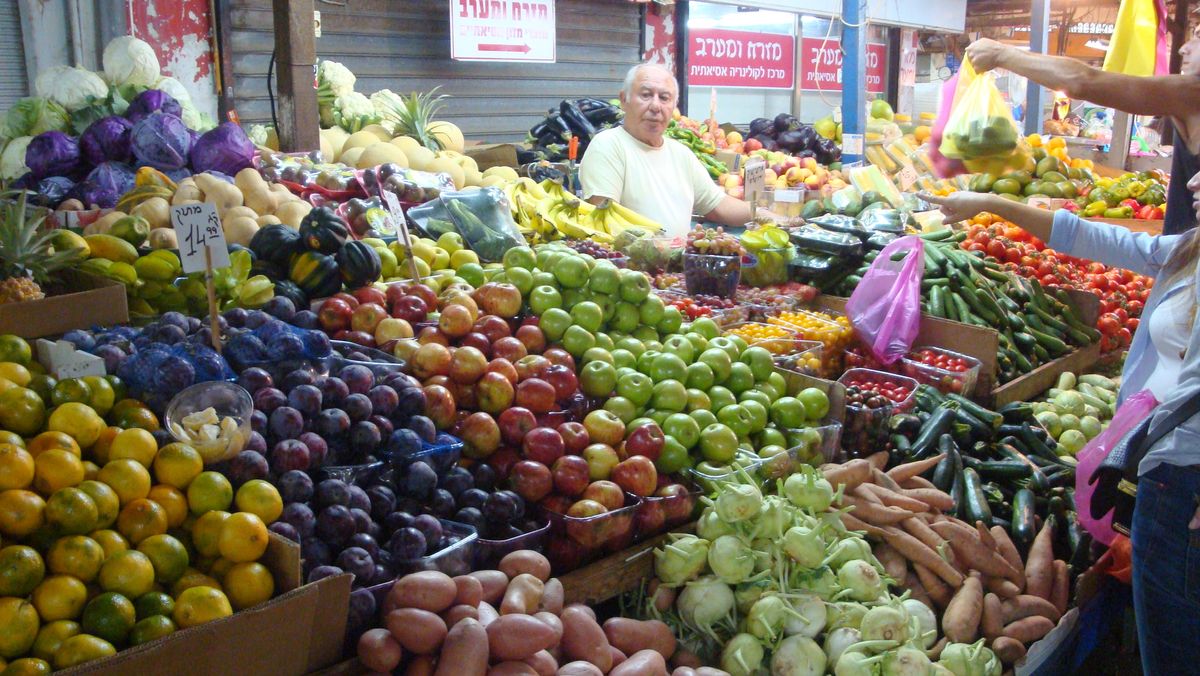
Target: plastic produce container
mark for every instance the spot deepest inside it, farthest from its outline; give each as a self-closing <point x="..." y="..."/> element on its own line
<point x="379" y="362"/>
<point x="229" y="400"/>
<point x="656" y="514"/>
<point x="722" y="316"/>
<point x="825" y="328"/>
<point x="777" y="339"/>
<point x="457" y="559"/>
<point x="364" y="475"/>
<point x="441" y="457"/>
<point x="575" y="541"/>
<point x="768" y="266"/>
<point x="796" y="355"/>
<point x="489" y="552"/>
<point x="865" y="430"/>
<point x="708" y="479"/>
<point x="712" y="275"/>
<point x="946" y="380"/>
<point x="815" y="445"/>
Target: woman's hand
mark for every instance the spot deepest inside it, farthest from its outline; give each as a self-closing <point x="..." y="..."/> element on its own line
<point x="985" y="54"/>
<point x="960" y="206"/>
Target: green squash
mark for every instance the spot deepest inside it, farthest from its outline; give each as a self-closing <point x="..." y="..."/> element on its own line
<point x="276" y="243"/>
<point x="359" y="264"/>
<point x="323" y="231"/>
<point x="316" y="274"/>
<point x="288" y="289"/>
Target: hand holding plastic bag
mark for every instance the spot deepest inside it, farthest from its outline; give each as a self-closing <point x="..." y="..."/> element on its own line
<point x="885" y="308"/>
<point x="980" y="128"/>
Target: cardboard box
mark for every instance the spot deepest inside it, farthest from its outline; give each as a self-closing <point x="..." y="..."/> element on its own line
<point x="488" y="155"/>
<point x="93" y="301"/>
<point x="295" y="633"/>
<point x="732" y="161"/>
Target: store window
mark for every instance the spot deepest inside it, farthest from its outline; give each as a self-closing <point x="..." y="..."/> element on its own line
<point x="820" y="80"/>
<point x="743" y="58"/>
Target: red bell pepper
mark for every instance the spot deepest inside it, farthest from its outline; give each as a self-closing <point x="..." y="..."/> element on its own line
<point x="1132" y="204"/>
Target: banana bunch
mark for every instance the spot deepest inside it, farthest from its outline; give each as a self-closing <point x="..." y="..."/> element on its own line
<point x="613" y="218"/>
<point x="572" y="217"/>
<point x="546" y="212"/>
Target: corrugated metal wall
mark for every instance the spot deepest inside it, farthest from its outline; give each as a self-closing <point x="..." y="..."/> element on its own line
<point x="404" y="45"/>
<point x="13" y="76"/>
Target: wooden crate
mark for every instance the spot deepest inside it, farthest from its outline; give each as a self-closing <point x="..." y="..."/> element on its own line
<point x="1042" y="378"/>
<point x="616" y="573"/>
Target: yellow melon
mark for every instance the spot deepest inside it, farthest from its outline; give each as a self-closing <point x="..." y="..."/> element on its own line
<point x="379" y="131"/>
<point x="448" y="166"/>
<point x="472" y="177"/>
<point x="468" y="163"/>
<point x="448" y="134"/>
<point x="420" y="157"/>
<point x="359" y="139"/>
<point x="381" y="153"/>
<point x="406" y="143"/>
<point x="336" y="138"/>
<point x="350" y="156"/>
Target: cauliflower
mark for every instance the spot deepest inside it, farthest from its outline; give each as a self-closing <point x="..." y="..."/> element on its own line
<point x="387" y="106"/>
<point x="130" y="61"/>
<point x="71" y="88"/>
<point x="354" y="111"/>
<point x="334" y="80"/>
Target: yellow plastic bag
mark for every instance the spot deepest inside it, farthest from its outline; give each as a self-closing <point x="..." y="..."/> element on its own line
<point x="981" y="125"/>
<point x="1138" y="45"/>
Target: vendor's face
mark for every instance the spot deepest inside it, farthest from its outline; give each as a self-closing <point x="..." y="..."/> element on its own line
<point x="649" y="106"/>
<point x="1190" y="51"/>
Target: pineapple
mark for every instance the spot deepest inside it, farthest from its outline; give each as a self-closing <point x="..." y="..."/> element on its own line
<point x="27" y="259"/>
<point x="414" y="115"/>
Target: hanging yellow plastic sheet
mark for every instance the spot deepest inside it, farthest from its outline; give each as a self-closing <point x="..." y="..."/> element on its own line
<point x="980" y="129"/>
<point x="1139" y="42"/>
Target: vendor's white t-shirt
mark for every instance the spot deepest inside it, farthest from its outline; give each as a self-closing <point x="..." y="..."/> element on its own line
<point x="667" y="184"/>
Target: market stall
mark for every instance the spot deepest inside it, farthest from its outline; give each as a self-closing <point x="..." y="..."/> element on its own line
<point x="412" y="403"/>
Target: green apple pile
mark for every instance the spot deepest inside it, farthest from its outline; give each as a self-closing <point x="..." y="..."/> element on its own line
<point x="716" y="399"/>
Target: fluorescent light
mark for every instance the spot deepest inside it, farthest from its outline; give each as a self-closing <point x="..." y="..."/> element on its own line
<point x="1101" y="45"/>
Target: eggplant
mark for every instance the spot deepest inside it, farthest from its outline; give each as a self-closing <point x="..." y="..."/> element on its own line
<point x="828" y="151"/>
<point x="580" y="125"/>
<point x="792" y="141"/>
<point x="809" y="136"/>
<point x="806" y="153"/>
<point x="785" y="122"/>
<point x="761" y="126"/>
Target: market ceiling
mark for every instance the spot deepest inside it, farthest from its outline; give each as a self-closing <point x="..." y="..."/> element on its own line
<point x="988" y="14"/>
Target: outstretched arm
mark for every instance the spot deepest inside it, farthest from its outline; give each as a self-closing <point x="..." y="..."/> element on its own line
<point x="1168" y="95"/>
<point x="961" y="206"/>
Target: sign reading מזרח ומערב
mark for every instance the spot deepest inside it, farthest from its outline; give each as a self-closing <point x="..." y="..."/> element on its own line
<point x="503" y="30"/>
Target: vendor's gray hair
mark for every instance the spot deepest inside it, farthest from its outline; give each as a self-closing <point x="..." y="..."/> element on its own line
<point x="631" y="76"/>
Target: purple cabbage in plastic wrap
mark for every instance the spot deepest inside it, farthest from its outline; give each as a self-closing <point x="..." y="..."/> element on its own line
<point x="109" y="181"/>
<point x="152" y="101"/>
<point x="226" y="149"/>
<point x="52" y="153"/>
<point x="161" y="141"/>
<point x="107" y="140"/>
<point x="53" y="190"/>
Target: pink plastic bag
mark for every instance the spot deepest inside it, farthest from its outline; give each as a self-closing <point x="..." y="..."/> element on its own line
<point x="885" y="308"/>
<point x="1131" y="412"/>
<point x="944" y="166"/>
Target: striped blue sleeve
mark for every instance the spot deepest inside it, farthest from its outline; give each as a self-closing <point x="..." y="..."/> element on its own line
<point x="1110" y="244"/>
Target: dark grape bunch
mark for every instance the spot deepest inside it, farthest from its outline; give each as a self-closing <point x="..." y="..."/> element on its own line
<point x="594" y="249"/>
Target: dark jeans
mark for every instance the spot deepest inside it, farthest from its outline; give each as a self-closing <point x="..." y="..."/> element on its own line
<point x="1166" y="571"/>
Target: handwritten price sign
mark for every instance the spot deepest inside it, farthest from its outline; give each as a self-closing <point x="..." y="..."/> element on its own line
<point x="197" y="229"/>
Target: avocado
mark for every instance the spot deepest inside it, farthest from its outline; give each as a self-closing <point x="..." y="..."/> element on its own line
<point x="1010" y="186"/>
<point x="812" y="209"/>
<point x="871" y="197"/>
<point x="1039" y="154"/>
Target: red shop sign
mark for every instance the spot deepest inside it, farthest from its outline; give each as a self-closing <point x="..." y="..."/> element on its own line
<point x="721" y="58"/>
<point x="822" y="65"/>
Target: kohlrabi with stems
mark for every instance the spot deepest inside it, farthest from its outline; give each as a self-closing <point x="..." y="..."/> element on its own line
<point x="886" y="623"/>
<point x="853" y="663"/>
<point x="805" y="546"/>
<point x="906" y="661"/>
<point x="742" y="656"/>
<point x="809" y="618"/>
<point x="737" y="502"/>
<point x="731" y="559"/>
<point x="681" y="559"/>
<point x="821" y="581"/>
<point x="711" y="526"/>
<point x="972" y="659"/>
<point x="748" y="592"/>
<point x="767" y="618"/>
<point x="838" y="640"/>
<point x="776" y="517"/>
<point x="798" y="656"/>
<point x="926" y="621"/>
<point x="860" y="581"/>
<point x="846" y="614"/>
<point x="704" y="603"/>
<point x="807" y="489"/>
<point x="848" y="549"/>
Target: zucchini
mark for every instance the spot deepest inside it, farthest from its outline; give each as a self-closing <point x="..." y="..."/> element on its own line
<point x="1017" y="412"/>
<point x="1035" y="444"/>
<point x="937" y="301"/>
<point x="976" y="428"/>
<point x="957" y="489"/>
<point x="947" y="468"/>
<point x="1003" y="469"/>
<point x="904" y="423"/>
<point x="975" y="505"/>
<point x="1053" y="344"/>
<point x="901" y="445"/>
<point x="992" y="418"/>
<point x="937" y="425"/>
<point x="1023" y="529"/>
<point x="1096" y="380"/>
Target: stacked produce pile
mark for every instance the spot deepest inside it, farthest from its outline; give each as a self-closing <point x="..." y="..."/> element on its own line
<point x="581" y="119"/>
<point x="111" y="539"/>
<point x="1122" y="293"/>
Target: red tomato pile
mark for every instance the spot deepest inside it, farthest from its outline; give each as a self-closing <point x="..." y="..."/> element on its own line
<point x="941" y="360"/>
<point x="1122" y="293"/>
<point x="874" y="391"/>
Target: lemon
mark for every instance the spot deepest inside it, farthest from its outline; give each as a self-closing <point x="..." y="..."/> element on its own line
<point x="21" y="409"/>
<point x="59" y="597"/>
<point x="129" y="573"/>
<point x="55" y="469"/>
<point x="140" y="519"/>
<point x="18" y="627"/>
<point x="78" y="420"/>
<point x="259" y="498"/>
<point x="21" y="512"/>
<point x="48" y="440"/>
<point x="177" y="464"/>
<point x="198" y="605"/>
<point x="193" y="578"/>
<point x="206" y="532"/>
<point x="28" y="666"/>
<point x="110" y="541"/>
<point x="243" y="537"/>
<point x="72" y="511"/>
<point x="51" y="636"/>
<point x="168" y="555"/>
<point x="16" y="467"/>
<point x="136" y="444"/>
<point x="21" y="570"/>
<point x="82" y="648"/>
<point x="154" y="603"/>
<point x="108" y="505"/>
<point x="103" y="394"/>
<point x="15" y="372"/>
<point x="128" y="478"/>
<point x="149" y="628"/>
<point x="173" y="502"/>
<point x="15" y="349"/>
<point x="209" y="491"/>
<point x="76" y="555"/>
<point x="248" y="584"/>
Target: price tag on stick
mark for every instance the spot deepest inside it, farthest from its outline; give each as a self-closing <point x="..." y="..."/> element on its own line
<point x="754" y="181"/>
<point x="202" y="247"/>
<point x="400" y="225"/>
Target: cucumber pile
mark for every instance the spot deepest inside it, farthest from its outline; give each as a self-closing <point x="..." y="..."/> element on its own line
<point x="1036" y="326"/>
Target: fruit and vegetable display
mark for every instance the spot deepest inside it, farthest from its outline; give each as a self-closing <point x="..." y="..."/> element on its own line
<point x="545" y="212"/>
<point x="1077" y="409"/>
<point x="1122" y="293"/>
